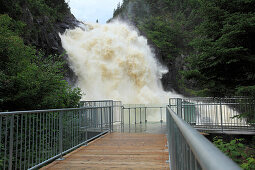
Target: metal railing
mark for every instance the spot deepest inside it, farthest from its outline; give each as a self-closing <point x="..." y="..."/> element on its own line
<point x="215" y="114"/>
<point x="189" y="150"/>
<point x="31" y="139"/>
<point x="116" y="108"/>
<point x="142" y="113"/>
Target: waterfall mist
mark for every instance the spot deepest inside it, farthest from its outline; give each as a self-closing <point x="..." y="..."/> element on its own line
<point x="112" y="61"/>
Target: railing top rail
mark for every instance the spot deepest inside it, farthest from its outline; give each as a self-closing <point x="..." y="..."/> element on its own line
<point x="235" y="97"/>
<point x="214" y="98"/>
<point x="212" y="103"/>
<point x="98" y="101"/>
<point x="205" y="152"/>
<point x="150" y="107"/>
<point x="50" y="110"/>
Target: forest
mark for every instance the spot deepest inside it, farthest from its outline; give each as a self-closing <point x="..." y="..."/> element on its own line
<point x="208" y="47"/>
<point x="213" y="41"/>
<point x="32" y="76"/>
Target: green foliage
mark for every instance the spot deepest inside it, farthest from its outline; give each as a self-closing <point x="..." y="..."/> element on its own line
<point x="246" y="91"/>
<point x="163" y="35"/>
<point x="216" y="38"/>
<point x="224" y="46"/>
<point x="53" y="9"/>
<point x="41" y="18"/>
<point x="28" y="80"/>
<point x="234" y="149"/>
<point x="250" y="164"/>
<point x="165" y="23"/>
<point x="237" y="151"/>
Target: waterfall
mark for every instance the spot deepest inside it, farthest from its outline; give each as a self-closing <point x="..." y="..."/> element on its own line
<point x="112" y="61"/>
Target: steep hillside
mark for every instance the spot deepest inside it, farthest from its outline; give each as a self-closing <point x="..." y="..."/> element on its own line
<point x="207" y="45"/>
<point x="32" y="69"/>
<point x="43" y="20"/>
<point x="168" y="25"/>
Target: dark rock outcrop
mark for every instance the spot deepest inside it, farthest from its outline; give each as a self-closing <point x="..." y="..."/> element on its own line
<point x="45" y="35"/>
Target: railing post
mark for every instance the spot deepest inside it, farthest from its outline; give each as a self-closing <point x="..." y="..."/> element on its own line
<point x="122" y="118"/>
<point x="11" y="143"/>
<point x="135" y="115"/>
<point x="161" y="121"/>
<point x="101" y="119"/>
<point x="110" y="120"/>
<point x="140" y="115"/>
<point x="145" y="115"/>
<point x="122" y="115"/>
<point x="179" y="107"/>
<point x="221" y="118"/>
<point x="86" y="125"/>
<point x="112" y="116"/>
<point x="129" y="116"/>
<point x="61" y="135"/>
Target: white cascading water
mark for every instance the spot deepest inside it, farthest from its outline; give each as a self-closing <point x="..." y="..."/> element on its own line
<point x="113" y="62"/>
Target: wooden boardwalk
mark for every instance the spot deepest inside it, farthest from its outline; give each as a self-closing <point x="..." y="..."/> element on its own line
<point x="118" y="151"/>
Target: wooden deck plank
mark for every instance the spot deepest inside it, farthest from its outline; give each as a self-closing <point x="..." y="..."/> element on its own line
<point x="118" y="151"/>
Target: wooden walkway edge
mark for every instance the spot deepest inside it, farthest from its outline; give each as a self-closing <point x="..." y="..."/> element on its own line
<point x="118" y="151"/>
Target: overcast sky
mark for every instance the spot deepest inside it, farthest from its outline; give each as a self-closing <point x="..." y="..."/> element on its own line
<point x="91" y="10"/>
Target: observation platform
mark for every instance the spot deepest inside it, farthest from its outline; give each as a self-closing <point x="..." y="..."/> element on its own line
<point x="118" y="151"/>
<point x="120" y="136"/>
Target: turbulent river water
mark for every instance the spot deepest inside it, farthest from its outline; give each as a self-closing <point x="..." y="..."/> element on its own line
<point x="112" y="61"/>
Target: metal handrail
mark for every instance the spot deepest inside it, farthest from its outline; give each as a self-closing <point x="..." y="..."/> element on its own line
<point x="30" y="139"/>
<point x="220" y="115"/>
<point x="50" y="110"/>
<point x="133" y="114"/>
<point x="191" y="149"/>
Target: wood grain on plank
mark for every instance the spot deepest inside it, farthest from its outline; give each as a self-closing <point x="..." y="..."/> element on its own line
<point x="118" y="151"/>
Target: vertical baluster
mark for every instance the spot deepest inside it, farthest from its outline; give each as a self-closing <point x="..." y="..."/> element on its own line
<point x="11" y="142"/>
<point x="17" y="141"/>
<point x="40" y="138"/>
<point x="145" y="117"/>
<point x="221" y="118"/>
<point x="29" y="139"/>
<point x="86" y="125"/>
<point x="140" y="115"/>
<point x="48" y="136"/>
<point x="101" y="119"/>
<point x="135" y="115"/>
<point x="61" y="135"/>
<point x="25" y="143"/>
<point x="21" y="142"/>
<point x="36" y="138"/>
<point x="52" y="134"/>
<point x="161" y="115"/>
<point x="5" y="141"/>
<point x="129" y="116"/>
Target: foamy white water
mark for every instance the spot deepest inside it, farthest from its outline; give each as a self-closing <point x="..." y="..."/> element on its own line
<point x="112" y="61"/>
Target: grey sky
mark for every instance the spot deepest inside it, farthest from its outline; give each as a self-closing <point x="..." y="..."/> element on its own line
<point x="91" y="10"/>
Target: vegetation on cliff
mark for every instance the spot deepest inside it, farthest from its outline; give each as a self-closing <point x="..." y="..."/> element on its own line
<point x="31" y="77"/>
<point x="211" y="40"/>
<point x="240" y="152"/>
<point x="225" y="51"/>
<point x="44" y="20"/>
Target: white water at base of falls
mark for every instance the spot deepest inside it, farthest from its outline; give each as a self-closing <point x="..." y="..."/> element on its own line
<point x="112" y="61"/>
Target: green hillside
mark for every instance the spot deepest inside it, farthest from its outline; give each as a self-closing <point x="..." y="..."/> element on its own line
<point x="32" y="69"/>
<point x="207" y="45"/>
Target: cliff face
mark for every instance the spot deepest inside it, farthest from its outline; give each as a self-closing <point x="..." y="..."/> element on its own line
<point x="43" y="20"/>
<point x="47" y="35"/>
